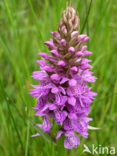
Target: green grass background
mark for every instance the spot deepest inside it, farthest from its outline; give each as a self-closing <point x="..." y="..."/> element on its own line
<point x="24" y="26"/>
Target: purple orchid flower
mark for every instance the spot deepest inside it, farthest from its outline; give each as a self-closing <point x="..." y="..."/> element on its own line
<point x="63" y="92"/>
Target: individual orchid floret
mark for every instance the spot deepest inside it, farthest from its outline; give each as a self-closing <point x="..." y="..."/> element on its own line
<point x="63" y="95"/>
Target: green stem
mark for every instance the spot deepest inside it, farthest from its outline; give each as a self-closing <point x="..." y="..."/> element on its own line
<point x="68" y="152"/>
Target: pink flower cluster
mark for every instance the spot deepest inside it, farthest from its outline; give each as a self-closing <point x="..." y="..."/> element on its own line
<point x="62" y="92"/>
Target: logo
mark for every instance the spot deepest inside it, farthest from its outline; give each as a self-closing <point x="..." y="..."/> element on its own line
<point x="99" y="149"/>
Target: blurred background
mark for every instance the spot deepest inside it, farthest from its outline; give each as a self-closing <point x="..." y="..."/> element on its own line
<point x="24" y="26"/>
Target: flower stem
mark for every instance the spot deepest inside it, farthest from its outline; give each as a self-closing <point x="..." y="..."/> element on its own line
<point x="68" y="152"/>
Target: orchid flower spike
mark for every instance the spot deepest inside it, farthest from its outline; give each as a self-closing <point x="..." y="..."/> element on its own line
<point x="63" y="93"/>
